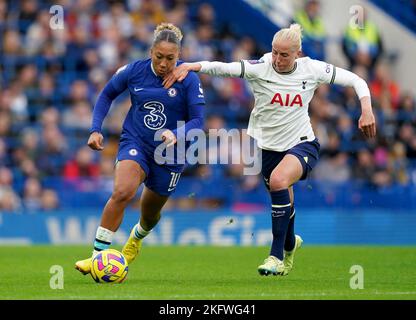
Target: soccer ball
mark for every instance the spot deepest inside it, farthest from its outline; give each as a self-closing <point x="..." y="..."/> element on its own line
<point x="109" y="266"/>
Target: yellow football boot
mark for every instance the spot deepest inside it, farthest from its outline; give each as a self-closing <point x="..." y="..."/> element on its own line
<point x="84" y="266"/>
<point x="289" y="256"/>
<point x="271" y="265"/>
<point x="132" y="247"/>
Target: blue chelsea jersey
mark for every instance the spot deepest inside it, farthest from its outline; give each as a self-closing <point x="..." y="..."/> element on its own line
<point x="152" y="106"/>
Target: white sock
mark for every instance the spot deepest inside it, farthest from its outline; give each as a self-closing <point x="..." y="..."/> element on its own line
<point x="103" y="239"/>
<point x="139" y="232"/>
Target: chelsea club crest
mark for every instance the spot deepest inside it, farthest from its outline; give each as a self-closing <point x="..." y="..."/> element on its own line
<point x="172" y="92"/>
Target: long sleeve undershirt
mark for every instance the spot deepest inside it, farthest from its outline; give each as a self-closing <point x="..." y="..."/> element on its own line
<point x="234" y="69"/>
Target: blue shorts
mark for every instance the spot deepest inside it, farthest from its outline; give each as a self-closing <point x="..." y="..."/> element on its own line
<point x="161" y="179"/>
<point x="307" y="153"/>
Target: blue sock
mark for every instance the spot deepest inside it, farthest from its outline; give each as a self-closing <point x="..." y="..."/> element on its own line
<point x="290" y="235"/>
<point x="280" y="221"/>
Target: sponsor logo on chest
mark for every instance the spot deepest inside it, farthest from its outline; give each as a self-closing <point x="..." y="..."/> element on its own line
<point x="287" y="100"/>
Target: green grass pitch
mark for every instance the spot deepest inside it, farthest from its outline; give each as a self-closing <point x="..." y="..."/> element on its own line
<point x="223" y="273"/>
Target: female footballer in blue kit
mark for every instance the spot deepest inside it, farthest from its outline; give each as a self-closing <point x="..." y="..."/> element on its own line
<point x="152" y="118"/>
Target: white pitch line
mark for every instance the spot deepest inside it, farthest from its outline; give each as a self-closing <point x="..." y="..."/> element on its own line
<point x="15" y="241"/>
<point x="318" y="294"/>
<point x="244" y="296"/>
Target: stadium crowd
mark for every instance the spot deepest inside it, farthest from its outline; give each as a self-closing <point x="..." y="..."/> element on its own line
<point x="51" y="78"/>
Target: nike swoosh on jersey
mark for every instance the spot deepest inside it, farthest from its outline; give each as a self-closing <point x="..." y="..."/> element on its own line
<point x="138" y="89"/>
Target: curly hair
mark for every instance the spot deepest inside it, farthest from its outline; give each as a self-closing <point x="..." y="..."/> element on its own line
<point x="167" y="32"/>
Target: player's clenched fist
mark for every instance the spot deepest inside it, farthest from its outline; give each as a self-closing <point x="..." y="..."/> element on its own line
<point x="169" y="138"/>
<point x="95" y="141"/>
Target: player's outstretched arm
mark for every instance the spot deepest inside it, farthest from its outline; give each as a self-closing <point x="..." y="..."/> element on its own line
<point x="214" y="68"/>
<point x="180" y="73"/>
<point x="367" y="122"/>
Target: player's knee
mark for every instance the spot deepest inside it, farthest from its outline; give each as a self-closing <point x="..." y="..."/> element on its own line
<point x="278" y="183"/>
<point x="123" y="194"/>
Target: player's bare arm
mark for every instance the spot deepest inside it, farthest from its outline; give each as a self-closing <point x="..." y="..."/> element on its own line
<point x="367" y="122"/>
<point x="180" y="73"/>
<point x="212" y="68"/>
<point x="95" y="141"/>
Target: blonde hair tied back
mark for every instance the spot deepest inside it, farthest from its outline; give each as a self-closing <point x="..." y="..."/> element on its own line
<point x="292" y="34"/>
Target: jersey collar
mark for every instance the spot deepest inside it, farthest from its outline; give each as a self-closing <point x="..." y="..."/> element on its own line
<point x="288" y="72"/>
<point x="153" y="70"/>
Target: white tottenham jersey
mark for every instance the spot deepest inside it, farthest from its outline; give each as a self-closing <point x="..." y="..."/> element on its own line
<point x="279" y="119"/>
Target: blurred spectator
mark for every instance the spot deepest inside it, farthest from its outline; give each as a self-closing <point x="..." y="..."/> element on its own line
<point x="50" y="117"/>
<point x="205" y="15"/>
<point x="79" y="116"/>
<point x="381" y="155"/>
<point x="28" y="168"/>
<point x="5" y="124"/>
<point x="407" y="136"/>
<point x="28" y="77"/>
<point x="12" y="43"/>
<point x="362" y="43"/>
<point x="49" y="200"/>
<point x="4" y="155"/>
<point x="27" y="14"/>
<point x="314" y="34"/>
<point x="333" y="169"/>
<point x="108" y="49"/>
<point x="384" y="87"/>
<point x="18" y="102"/>
<point x="382" y="179"/>
<point x="199" y="45"/>
<point x="406" y="110"/>
<point x="52" y="152"/>
<point x="3" y="15"/>
<point x="117" y="17"/>
<point x="40" y="34"/>
<point x="82" y="166"/>
<point x="106" y="167"/>
<point x="398" y="163"/>
<point x="364" y="167"/>
<point x="346" y="130"/>
<point x="46" y="95"/>
<point x="30" y="143"/>
<point x="79" y="92"/>
<point x="76" y="47"/>
<point x="150" y="12"/>
<point x="32" y="194"/>
<point x="179" y="17"/>
<point x="9" y="200"/>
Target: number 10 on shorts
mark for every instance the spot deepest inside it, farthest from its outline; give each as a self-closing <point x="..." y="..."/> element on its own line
<point x="174" y="180"/>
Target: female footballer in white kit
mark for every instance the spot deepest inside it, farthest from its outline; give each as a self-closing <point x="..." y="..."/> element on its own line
<point x="283" y="85"/>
